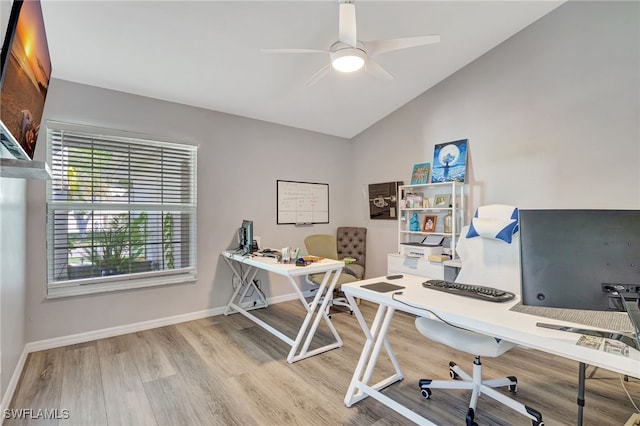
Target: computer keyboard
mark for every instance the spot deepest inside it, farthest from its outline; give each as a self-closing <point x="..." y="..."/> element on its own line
<point x="477" y="291"/>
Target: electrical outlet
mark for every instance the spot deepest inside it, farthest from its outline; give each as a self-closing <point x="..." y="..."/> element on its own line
<point x="634" y="420"/>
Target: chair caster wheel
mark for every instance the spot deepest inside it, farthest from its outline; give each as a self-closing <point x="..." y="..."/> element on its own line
<point x="514" y="387"/>
<point x="452" y="373"/>
<point x="426" y="393"/>
<point x="538" y="417"/>
<point x="470" y="416"/>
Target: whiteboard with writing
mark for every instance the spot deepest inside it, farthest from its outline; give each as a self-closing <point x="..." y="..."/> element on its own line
<point x="302" y="202"/>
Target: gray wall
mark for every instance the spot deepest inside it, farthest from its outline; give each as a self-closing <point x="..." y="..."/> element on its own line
<point x="12" y="260"/>
<point x="239" y="161"/>
<point x="12" y="275"/>
<point x="552" y="118"/>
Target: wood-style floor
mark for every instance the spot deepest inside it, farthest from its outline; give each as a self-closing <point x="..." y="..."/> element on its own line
<point x="228" y="371"/>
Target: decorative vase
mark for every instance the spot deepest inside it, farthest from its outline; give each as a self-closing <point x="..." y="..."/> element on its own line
<point x="414" y="225"/>
<point x="447" y="223"/>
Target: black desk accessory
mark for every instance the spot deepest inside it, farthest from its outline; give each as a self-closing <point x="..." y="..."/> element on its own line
<point x="382" y="287"/>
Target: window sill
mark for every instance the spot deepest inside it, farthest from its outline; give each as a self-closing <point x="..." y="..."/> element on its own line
<point x="71" y="289"/>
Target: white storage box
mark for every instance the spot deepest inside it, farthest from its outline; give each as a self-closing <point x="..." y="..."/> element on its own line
<point x="419" y="251"/>
<point x="397" y="264"/>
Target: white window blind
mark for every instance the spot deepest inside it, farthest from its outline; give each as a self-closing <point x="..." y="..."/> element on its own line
<point x="121" y="211"/>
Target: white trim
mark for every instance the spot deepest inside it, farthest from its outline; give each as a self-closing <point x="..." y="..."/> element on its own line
<point x="13" y="383"/>
<point x="155" y="207"/>
<point x="104" y="333"/>
<point x="120" y="282"/>
<point x="124" y="134"/>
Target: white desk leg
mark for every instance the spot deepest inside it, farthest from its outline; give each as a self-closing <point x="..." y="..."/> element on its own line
<point x="246" y="283"/>
<point x="359" y="387"/>
<point x="317" y="313"/>
<point x="376" y="338"/>
<point x="235" y="302"/>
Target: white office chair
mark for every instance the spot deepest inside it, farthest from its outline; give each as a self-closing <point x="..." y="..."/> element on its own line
<point x="489" y="249"/>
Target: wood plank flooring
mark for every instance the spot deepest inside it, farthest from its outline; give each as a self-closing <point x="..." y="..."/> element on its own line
<point x="229" y="371"/>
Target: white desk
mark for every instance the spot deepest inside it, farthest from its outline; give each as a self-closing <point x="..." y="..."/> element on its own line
<point x="315" y="310"/>
<point x="484" y="317"/>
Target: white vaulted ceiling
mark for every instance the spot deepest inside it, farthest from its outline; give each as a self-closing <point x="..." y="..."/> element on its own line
<point x="207" y="53"/>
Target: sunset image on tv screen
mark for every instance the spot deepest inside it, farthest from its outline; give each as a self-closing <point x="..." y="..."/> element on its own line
<point x="26" y="78"/>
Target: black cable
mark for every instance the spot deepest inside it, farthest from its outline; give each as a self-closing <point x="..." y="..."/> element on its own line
<point x="258" y="285"/>
<point x="393" y="297"/>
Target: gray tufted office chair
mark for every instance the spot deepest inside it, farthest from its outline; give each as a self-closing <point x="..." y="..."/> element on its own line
<point x="489" y="249"/>
<point x="352" y="242"/>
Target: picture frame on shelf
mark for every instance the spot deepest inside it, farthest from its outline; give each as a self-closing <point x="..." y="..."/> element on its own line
<point x="449" y="162"/>
<point x="442" y="201"/>
<point x="413" y="200"/>
<point x="420" y="174"/>
<point x="429" y="223"/>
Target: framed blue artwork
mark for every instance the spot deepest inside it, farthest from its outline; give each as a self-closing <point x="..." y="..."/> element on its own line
<point x="449" y="162"/>
<point x="420" y="173"/>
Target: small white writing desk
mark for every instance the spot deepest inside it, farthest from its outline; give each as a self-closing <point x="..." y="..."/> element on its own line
<point x="491" y="318"/>
<point x="315" y="309"/>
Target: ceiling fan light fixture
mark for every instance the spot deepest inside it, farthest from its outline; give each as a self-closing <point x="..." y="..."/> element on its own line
<point x="347" y="60"/>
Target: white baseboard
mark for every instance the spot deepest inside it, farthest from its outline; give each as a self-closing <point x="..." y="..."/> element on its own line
<point x="13" y="383"/>
<point x="104" y="333"/>
<point x="41" y="345"/>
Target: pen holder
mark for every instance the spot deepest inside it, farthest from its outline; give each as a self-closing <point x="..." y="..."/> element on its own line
<point x="288" y="255"/>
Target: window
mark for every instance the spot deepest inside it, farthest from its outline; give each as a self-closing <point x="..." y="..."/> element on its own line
<point x="121" y="211"/>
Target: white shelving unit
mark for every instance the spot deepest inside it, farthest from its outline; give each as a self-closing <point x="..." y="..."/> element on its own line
<point x="455" y="192"/>
<point x="400" y="262"/>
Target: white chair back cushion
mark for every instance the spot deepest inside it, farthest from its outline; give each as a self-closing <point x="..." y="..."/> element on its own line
<point x="490" y="256"/>
<point x="489" y="262"/>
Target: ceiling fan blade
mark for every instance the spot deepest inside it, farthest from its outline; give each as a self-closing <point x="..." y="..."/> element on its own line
<point x="293" y="51"/>
<point x="373" y="68"/>
<point x="318" y="75"/>
<point x="347" y="24"/>
<point x="382" y="46"/>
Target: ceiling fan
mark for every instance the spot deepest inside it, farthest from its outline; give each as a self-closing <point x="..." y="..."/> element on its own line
<point x="349" y="54"/>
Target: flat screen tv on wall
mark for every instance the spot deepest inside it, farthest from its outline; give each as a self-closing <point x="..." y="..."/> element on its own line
<point x="25" y="70"/>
